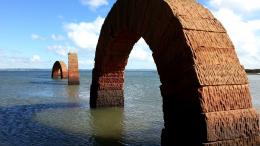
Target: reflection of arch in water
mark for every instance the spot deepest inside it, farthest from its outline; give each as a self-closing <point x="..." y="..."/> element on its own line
<point x="107" y="125"/>
<point x="59" y="69"/>
<point x="205" y="91"/>
<point x="72" y="92"/>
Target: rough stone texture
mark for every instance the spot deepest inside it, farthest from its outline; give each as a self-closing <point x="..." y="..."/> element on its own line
<point x="203" y="84"/>
<point x="231" y="124"/>
<point x="249" y="141"/>
<point x="225" y="98"/>
<point x="109" y="91"/>
<point x="110" y="98"/>
<point x="59" y="69"/>
<point x="73" y="75"/>
<point x="221" y="74"/>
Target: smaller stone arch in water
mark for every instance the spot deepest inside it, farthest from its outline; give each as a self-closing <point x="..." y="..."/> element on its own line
<point x="59" y="70"/>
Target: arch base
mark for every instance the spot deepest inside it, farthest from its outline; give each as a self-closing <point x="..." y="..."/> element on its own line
<point x="106" y="98"/>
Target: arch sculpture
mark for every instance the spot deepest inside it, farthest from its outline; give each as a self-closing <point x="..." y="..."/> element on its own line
<point x="206" y="98"/>
<point x="59" y="69"/>
<point x="73" y="75"/>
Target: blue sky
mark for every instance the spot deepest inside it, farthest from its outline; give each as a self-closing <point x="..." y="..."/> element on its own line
<point x="36" y="33"/>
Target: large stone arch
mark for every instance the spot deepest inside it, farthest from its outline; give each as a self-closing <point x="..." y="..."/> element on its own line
<point x="59" y="69"/>
<point x="206" y="98"/>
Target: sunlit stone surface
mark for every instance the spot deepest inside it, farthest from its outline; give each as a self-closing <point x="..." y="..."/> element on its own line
<point x="200" y="73"/>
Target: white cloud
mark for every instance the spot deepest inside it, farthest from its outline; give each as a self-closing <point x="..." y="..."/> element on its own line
<point x="237" y="5"/>
<point x="85" y="34"/>
<point x="86" y="63"/>
<point x="16" y="59"/>
<point x="141" y="57"/>
<point x="1" y="57"/>
<point x="243" y="31"/>
<point x="1" y="51"/>
<point x="61" y="50"/>
<point x="61" y="17"/>
<point x="141" y="51"/>
<point x="17" y="62"/>
<point x="58" y="49"/>
<point x="35" y="59"/>
<point x="56" y="37"/>
<point x="37" y="37"/>
<point x="93" y="4"/>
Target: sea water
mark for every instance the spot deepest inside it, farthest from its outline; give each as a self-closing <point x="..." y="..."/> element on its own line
<point x="40" y="111"/>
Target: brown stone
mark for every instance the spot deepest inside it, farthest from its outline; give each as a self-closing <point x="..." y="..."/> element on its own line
<point x="225" y="98"/>
<point x="59" y="69"/>
<point x="73" y="73"/>
<point x="203" y="55"/>
<point x="228" y="74"/>
<point x="249" y="141"/>
<point x="110" y="98"/>
<point x="208" y="39"/>
<point x="231" y="124"/>
<point x="201" y="24"/>
<point x="206" y="99"/>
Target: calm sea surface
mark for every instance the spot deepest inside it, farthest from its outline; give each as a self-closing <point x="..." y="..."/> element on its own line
<point x="37" y="110"/>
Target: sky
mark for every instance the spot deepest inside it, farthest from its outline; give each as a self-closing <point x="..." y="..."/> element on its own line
<point x="36" y="33"/>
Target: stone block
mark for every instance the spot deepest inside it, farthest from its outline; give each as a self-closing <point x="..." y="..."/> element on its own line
<point x="189" y="9"/>
<point x="111" y="86"/>
<point x="110" y="93"/>
<point x="249" y="141"/>
<point x="208" y="39"/>
<point x="225" y="98"/>
<point x="201" y="24"/>
<point x="231" y="124"/>
<point x="111" y="80"/>
<point x="106" y="98"/>
<point x="228" y="74"/>
<point x="203" y="55"/>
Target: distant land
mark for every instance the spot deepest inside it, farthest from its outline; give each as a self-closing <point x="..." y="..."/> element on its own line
<point x="23" y="69"/>
<point x="253" y="71"/>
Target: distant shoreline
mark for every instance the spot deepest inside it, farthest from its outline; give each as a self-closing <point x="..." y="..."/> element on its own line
<point x="28" y="69"/>
<point x="252" y="71"/>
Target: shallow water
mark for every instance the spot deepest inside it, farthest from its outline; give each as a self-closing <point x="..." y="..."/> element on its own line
<point x="36" y="110"/>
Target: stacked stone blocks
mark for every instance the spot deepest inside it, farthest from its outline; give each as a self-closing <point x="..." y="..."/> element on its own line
<point x="206" y="98"/>
<point x="73" y="74"/>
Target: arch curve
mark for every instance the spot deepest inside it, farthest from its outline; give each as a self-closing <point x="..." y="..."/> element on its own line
<point x="205" y="91"/>
<point x="59" y="69"/>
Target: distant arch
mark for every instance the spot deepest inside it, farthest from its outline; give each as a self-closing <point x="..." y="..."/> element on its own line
<point x="206" y="98"/>
<point x="59" y="70"/>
